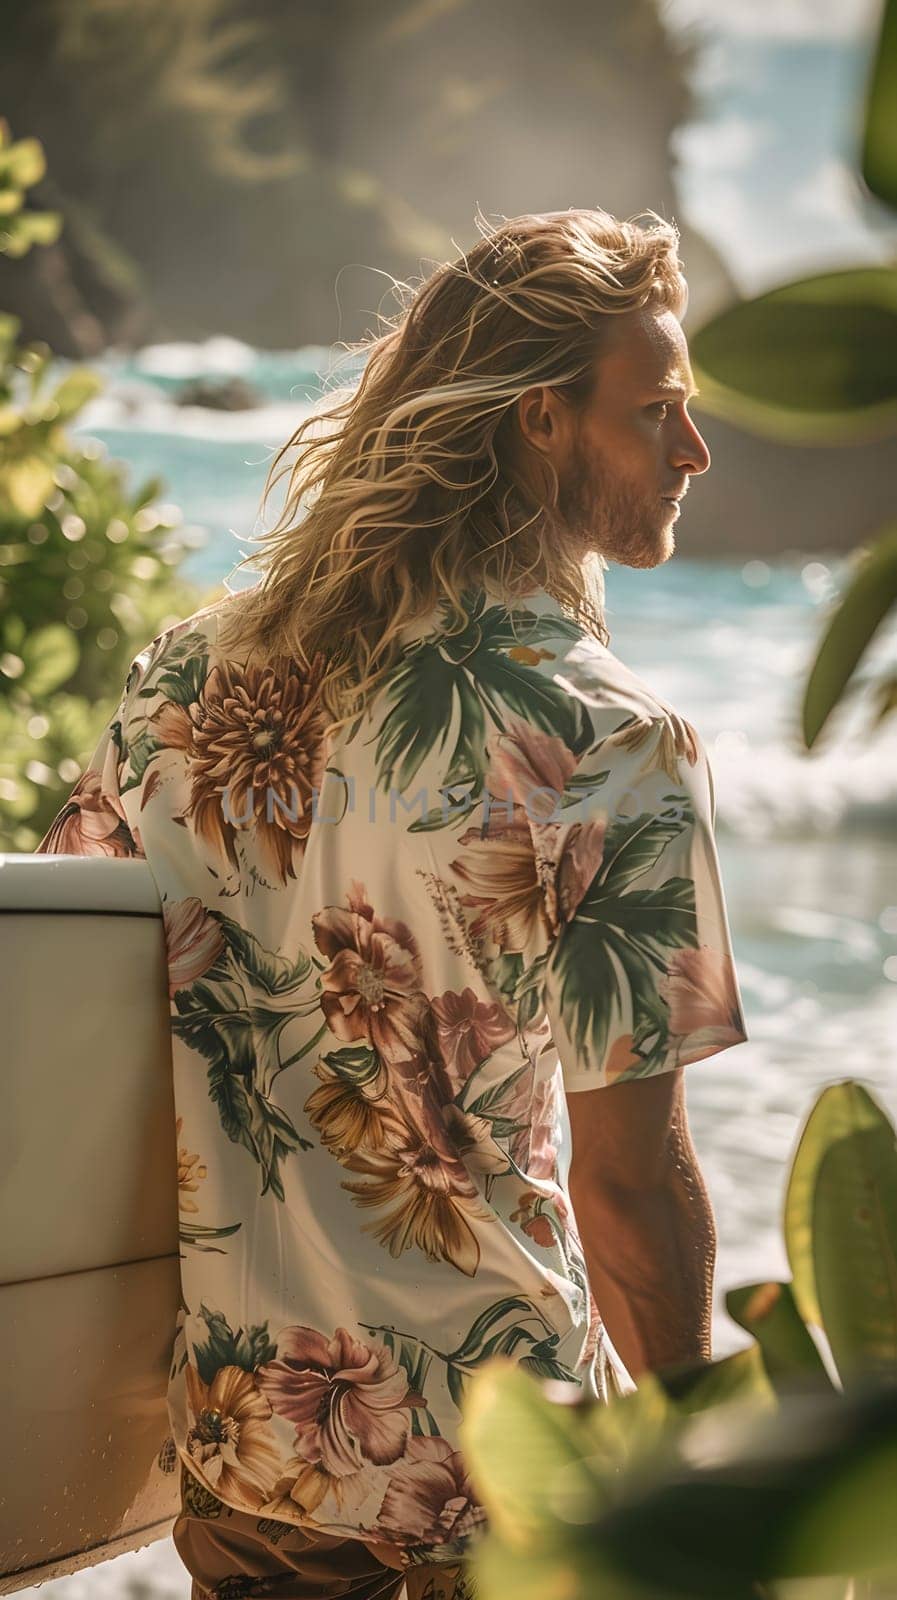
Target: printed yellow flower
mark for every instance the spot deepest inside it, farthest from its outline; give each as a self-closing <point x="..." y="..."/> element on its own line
<point x="351" y="1116"/>
<point x="189" y="1174"/>
<point x="230" y="1442"/>
<point x="433" y="1200"/>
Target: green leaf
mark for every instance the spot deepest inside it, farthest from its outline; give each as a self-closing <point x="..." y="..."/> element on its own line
<point x="51" y="656"/>
<point x="18" y="233"/>
<point x="768" y="1311"/>
<point x="74" y="392"/>
<point x="816" y="358"/>
<point x="879" y="156"/>
<point x="870" y="596"/>
<point x="741" y="1376"/>
<point x="803" y="1490"/>
<point x="855" y="1249"/>
<point x="842" y="1110"/>
<point x="636" y="844"/>
<point x="24" y="162"/>
<point x="28" y="484"/>
<point x="524" y="1453"/>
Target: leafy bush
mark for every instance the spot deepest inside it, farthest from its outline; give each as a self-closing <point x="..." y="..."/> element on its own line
<point x="86" y="565"/>
<point x="768" y="1473"/>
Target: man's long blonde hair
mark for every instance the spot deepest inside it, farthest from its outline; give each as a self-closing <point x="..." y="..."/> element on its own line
<point x="410" y="486"/>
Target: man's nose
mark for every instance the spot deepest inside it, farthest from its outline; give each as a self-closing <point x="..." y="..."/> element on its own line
<point x="691" y="453"/>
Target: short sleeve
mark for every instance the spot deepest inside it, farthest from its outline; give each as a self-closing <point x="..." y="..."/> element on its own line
<point x="640" y="977"/>
<point x="93" y="820"/>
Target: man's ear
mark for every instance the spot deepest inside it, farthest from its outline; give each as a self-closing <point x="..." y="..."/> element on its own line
<point x="539" y="418"/>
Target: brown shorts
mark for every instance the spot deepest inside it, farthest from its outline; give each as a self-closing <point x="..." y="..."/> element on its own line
<point x="231" y="1553"/>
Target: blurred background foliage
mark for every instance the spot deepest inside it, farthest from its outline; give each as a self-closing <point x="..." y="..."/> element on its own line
<point x="816" y="361"/>
<point x="87" y="564"/>
<point x="769" y="1473"/>
<point x="228" y="172"/>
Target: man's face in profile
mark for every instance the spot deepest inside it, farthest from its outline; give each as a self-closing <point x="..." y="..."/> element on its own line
<point x="629" y="453"/>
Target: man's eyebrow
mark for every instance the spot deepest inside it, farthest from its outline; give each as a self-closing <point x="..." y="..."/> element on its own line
<point x="670" y="386"/>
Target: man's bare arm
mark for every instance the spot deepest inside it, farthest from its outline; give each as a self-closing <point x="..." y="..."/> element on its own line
<point x="645" y="1220"/>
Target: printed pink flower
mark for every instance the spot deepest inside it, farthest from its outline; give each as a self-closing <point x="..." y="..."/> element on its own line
<point x="194" y="941"/>
<point x="87" y="825"/>
<point x="349" y="1400"/>
<point x="524" y="763"/>
<point x="540" y="1160"/>
<point x="430" y="1498"/>
<point x="701" y="992"/>
<point x="372" y="988"/>
<point x="469" y="1030"/>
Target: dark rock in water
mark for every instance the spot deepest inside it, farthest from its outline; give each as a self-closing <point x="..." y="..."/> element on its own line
<point x="219" y="394"/>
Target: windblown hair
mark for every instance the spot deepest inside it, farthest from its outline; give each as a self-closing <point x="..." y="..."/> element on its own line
<point x="409" y="486"/>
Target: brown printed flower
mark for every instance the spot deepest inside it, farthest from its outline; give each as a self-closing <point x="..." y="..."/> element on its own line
<point x="372" y="988"/>
<point x="87" y="825"/>
<point x="230" y="1440"/>
<point x="469" y="1030"/>
<point x="349" y="1400"/>
<point x="255" y="742"/>
<point x="193" y="939"/>
<point x="430" y="1499"/>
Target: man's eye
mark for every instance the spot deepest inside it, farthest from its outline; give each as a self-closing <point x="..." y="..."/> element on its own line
<point x="660" y="405"/>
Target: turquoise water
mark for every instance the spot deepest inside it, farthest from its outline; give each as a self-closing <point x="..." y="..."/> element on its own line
<point x="806" y="843"/>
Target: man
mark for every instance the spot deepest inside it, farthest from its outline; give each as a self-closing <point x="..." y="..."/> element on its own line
<point x="437" y="872"/>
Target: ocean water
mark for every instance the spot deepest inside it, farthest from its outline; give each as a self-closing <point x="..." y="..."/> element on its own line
<point x="806" y="842"/>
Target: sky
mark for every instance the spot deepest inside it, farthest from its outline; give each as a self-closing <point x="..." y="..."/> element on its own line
<point x="769" y="171"/>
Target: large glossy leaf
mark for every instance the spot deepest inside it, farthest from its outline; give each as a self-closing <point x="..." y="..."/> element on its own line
<point x="855" y="1250"/>
<point x="812" y="359"/>
<point x="879" y="158"/>
<point x="517" y="1444"/>
<point x="804" y="1491"/>
<point x="768" y="1311"/>
<point x="870" y="595"/>
<point x="841" y="1110"/>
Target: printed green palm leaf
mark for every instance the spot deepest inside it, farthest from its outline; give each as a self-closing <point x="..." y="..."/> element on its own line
<point x="276" y="973"/>
<point x="506" y="684"/>
<point x="248" y="1348"/>
<point x="422" y="692"/>
<point x="197" y="1234"/>
<point x="840" y="1112"/>
<point x="768" y="1311"/>
<point x="814" y="360"/>
<point x="635" y="845"/>
<point x="466" y="673"/>
<point x="617" y="943"/>
<point x="879" y="158"/>
<point x="234" y="1017"/>
<point x="871" y="594"/>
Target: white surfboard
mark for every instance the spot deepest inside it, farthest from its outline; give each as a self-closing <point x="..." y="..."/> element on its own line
<point x="89" y="1264"/>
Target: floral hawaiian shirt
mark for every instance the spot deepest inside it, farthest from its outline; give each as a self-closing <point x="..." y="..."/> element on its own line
<point x="390" y="954"/>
